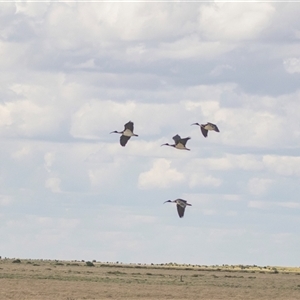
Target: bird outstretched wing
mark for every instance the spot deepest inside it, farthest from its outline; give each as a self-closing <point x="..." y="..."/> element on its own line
<point x="124" y="139"/>
<point x="181" y="200"/>
<point x="204" y="131"/>
<point x="176" y="138"/>
<point x="183" y="141"/>
<point x="216" y="128"/>
<point x="180" y="210"/>
<point x="129" y="126"/>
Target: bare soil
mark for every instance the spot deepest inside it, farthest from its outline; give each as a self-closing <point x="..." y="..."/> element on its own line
<point x="62" y="280"/>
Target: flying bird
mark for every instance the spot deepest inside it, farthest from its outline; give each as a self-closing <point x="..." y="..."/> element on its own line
<point x="179" y="143"/>
<point x="206" y="127"/>
<point x="126" y="134"/>
<point x="181" y="205"/>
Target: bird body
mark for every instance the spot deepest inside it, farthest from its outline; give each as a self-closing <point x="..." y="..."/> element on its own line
<point x="181" y="205"/>
<point x="207" y="127"/>
<point x="126" y="134"/>
<point x="179" y="142"/>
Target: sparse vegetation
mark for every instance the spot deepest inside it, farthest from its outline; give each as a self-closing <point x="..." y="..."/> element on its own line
<point x="155" y="281"/>
<point x="89" y="264"/>
<point x="116" y="273"/>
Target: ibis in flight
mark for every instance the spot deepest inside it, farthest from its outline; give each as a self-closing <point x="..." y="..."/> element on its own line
<point x="206" y="127"/>
<point x="179" y="142"/>
<point x="126" y="134"/>
<point x="181" y="205"/>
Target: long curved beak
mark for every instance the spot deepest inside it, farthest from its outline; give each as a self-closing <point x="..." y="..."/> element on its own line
<point x="195" y="124"/>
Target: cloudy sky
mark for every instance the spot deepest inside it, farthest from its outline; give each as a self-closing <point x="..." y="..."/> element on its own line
<point x="73" y="72"/>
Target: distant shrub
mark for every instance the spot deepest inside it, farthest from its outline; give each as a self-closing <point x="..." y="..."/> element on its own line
<point x="117" y="273"/>
<point x="89" y="264"/>
<point x="16" y="261"/>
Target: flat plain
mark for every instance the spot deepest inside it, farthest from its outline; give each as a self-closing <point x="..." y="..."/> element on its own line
<point x="76" y="280"/>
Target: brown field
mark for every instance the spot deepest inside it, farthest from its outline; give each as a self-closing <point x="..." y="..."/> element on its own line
<point x="73" y="280"/>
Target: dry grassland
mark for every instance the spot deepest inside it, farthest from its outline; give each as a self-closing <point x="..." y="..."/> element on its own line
<point x="62" y="280"/>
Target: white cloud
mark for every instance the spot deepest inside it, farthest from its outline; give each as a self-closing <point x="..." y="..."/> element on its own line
<point x="232" y="197"/>
<point x="49" y="159"/>
<point x="96" y="117"/>
<point x="28" y="119"/>
<point x="92" y="118"/>
<point x="218" y="70"/>
<point x="291" y="205"/>
<point x="222" y="163"/>
<point x="267" y="205"/>
<point x="209" y="212"/>
<point x="219" y="234"/>
<point x="73" y="72"/>
<point x="258" y="204"/>
<point x="53" y="184"/>
<point x="108" y="173"/>
<point x="244" y="126"/>
<point x="259" y="186"/>
<point x="5" y="200"/>
<point x="102" y="24"/>
<point x="89" y="64"/>
<point x="22" y="153"/>
<point x="32" y="10"/>
<point x="283" y="165"/>
<point x="11" y="54"/>
<point x="247" y="162"/>
<point x="292" y="65"/>
<point x="202" y="179"/>
<point x="190" y="47"/>
<point x="231" y="213"/>
<point x="161" y="175"/>
<point x="208" y="108"/>
<point x="235" y="21"/>
<point x="282" y="238"/>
